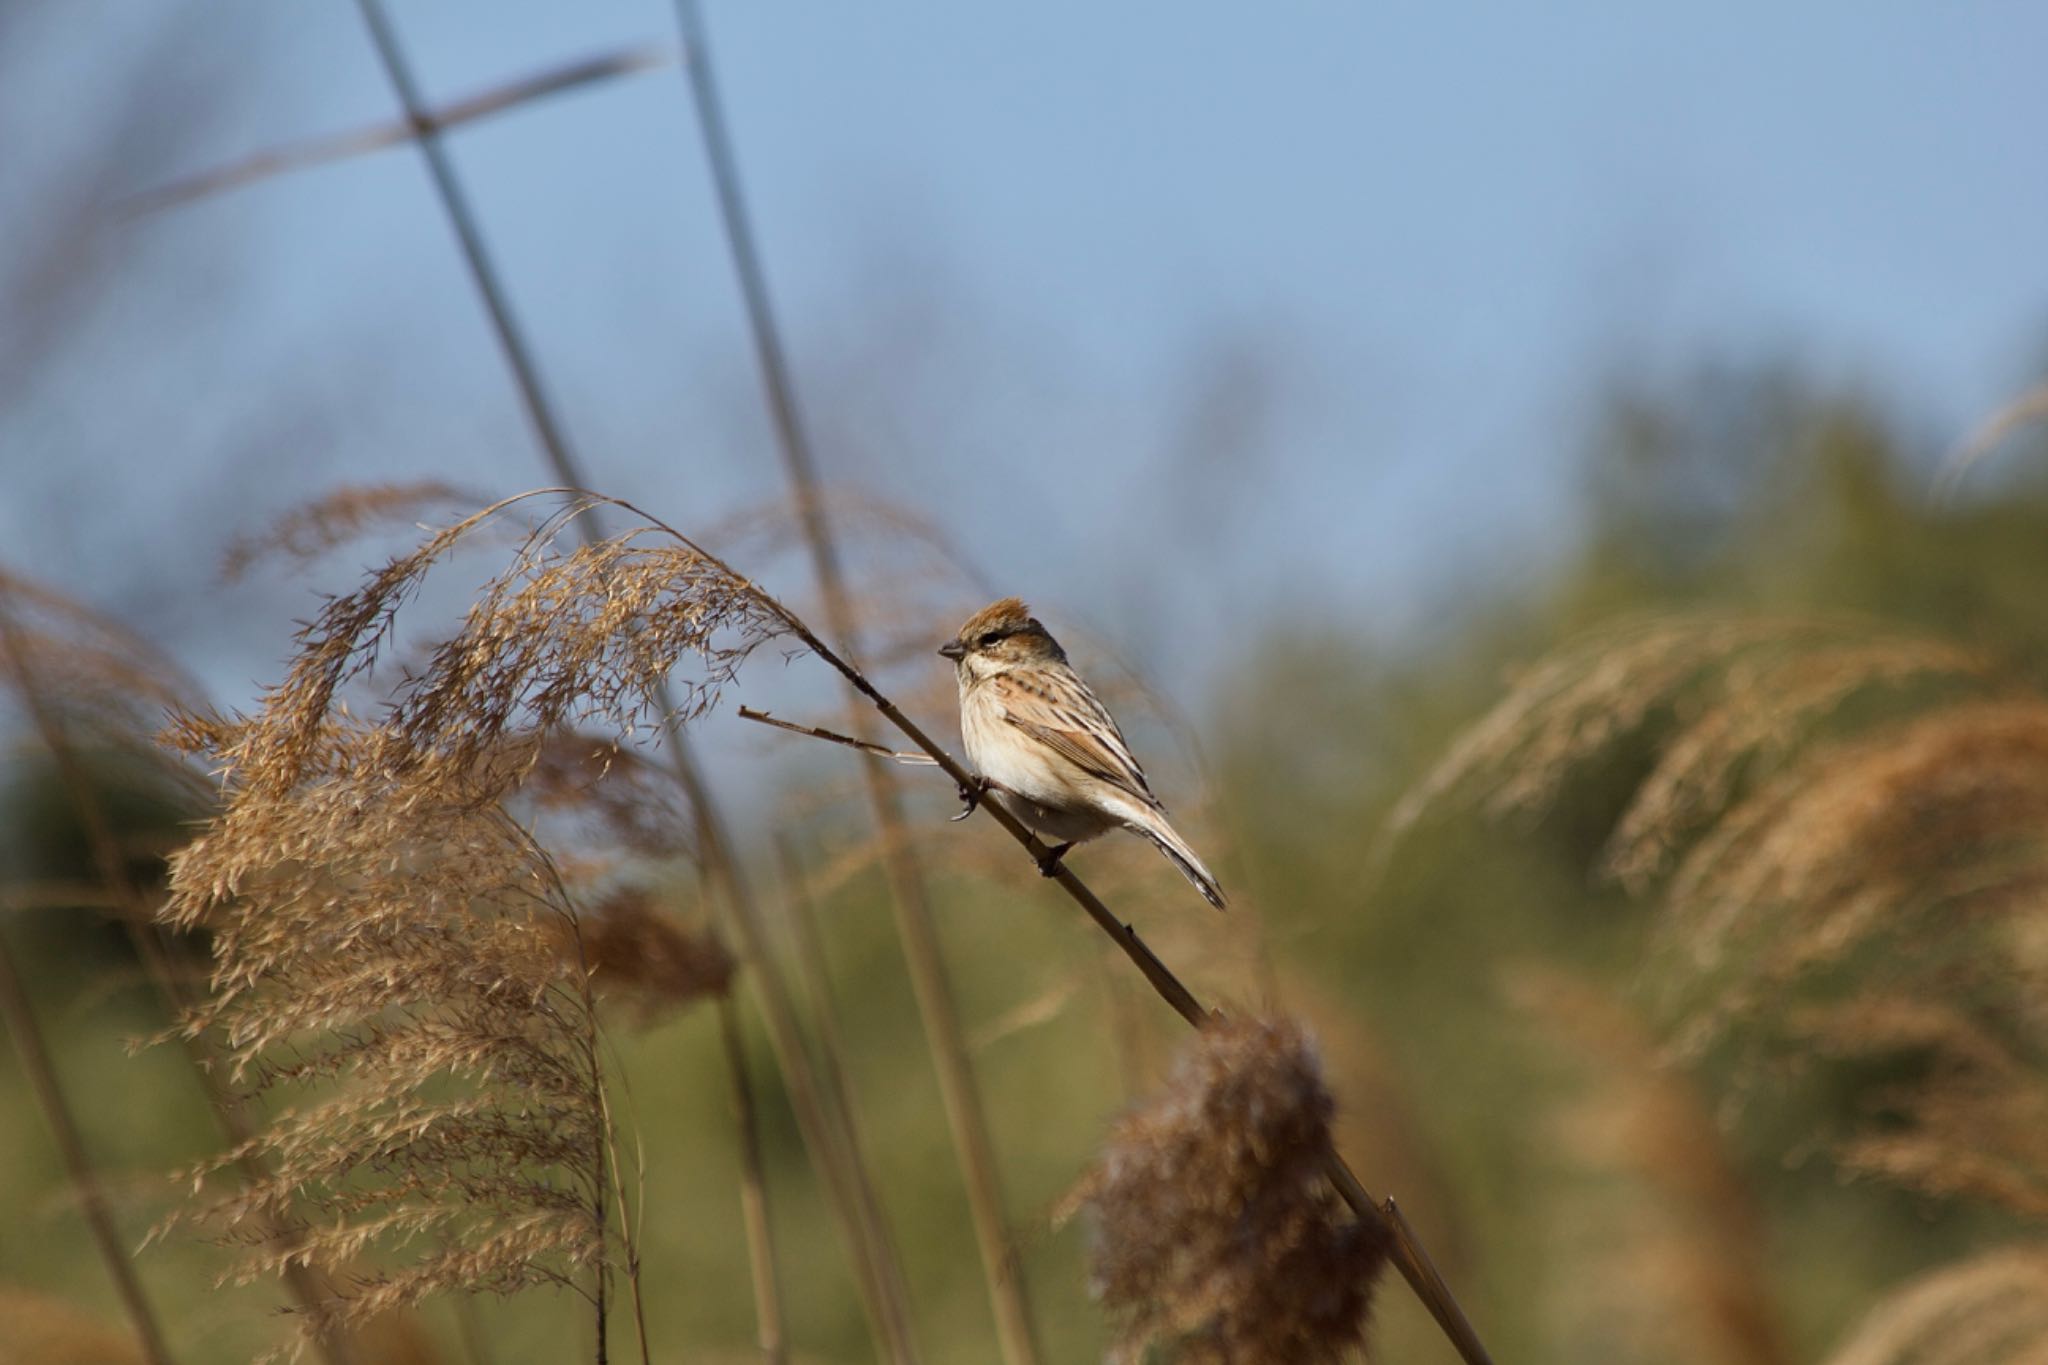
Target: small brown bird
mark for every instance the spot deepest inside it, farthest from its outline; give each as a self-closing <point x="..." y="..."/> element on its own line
<point x="1047" y="746"/>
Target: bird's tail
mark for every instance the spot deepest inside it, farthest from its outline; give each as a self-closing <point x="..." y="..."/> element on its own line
<point x="1155" y="828"/>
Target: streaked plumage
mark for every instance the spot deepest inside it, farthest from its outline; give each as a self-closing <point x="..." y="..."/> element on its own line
<point x="1052" y="753"/>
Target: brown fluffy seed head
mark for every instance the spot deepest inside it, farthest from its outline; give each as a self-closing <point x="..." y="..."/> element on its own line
<point x="643" y="957"/>
<point x="1218" y="1237"/>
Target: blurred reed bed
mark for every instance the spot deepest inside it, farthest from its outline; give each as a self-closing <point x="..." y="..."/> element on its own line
<point x="1842" y="827"/>
<point x="88" y="690"/>
<point x="41" y="1329"/>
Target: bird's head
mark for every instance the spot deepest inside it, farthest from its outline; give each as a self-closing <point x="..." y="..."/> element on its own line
<point x="1001" y="636"/>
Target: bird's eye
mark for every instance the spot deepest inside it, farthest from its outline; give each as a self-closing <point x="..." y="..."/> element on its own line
<point x="989" y="639"/>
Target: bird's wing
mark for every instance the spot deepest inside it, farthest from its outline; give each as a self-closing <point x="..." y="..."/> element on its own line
<point x="1056" y="708"/>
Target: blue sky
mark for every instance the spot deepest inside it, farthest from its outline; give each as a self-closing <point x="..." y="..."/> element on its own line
<point x="1012" y="244"/>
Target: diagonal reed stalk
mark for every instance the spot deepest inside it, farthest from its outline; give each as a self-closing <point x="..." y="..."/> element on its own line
<point x="753" y="1193"/>
<point x="1409" y="1255"/>
<point x="909" y="895"/>
<point x="847" y="1180"/>
<point x="318" y="151"/>
<point x="1385" y="1217"/>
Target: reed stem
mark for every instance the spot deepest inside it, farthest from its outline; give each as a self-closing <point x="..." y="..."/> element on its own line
<point x="1409" y="1256"/>
<point x="909" y="896"/>
<point x="768" y="1324"/>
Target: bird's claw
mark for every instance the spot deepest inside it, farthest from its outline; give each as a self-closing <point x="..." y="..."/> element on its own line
<point x="970" y="798"/>
<point x="1049" y="865"/>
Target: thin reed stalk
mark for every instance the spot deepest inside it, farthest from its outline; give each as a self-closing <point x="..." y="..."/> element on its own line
<point x="318" y="151"/>
<point x="816" y="983"/>
<point x="92" y="1199"/>
<point x="909" y="895"/>
<point x="768" y="1322"/>
<point x="847" y="1180"/>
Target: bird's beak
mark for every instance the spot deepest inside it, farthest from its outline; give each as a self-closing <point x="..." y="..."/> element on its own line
<point x="953" y="650"/>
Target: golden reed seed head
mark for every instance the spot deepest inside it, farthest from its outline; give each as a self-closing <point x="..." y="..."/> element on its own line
<point x="1990" y="1307"/>
<point x="1217" y="1236"/>
<point x="338" y="517"/>
<point x="389" y="901"/>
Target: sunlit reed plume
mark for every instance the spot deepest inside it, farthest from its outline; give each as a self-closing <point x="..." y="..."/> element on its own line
<point x="341" y="516"/>
<point x="387" y="971"/>
<point x="389" y="931"/>
<point x="1993" y="1307"/>
<point x="1968" y="1115"/>
<point x="1847" y="828"/>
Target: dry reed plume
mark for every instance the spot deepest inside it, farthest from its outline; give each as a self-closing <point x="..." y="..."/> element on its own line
<point x="338" y="518"/>
<point x="387" y="969"/>
<point x="106" y="685"/>
<point x="1847" y="825"/>
<point x="387" y="931"/>
<point x="1217" y="1236"/>
<point x="1993" y="1307"/>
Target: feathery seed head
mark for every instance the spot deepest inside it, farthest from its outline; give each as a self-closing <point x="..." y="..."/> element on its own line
<point x="397" y="916"/>
<point x="1993" y="1306"/>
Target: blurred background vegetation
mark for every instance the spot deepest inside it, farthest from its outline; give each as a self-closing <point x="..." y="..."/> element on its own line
<point x="1494" y="1010"/>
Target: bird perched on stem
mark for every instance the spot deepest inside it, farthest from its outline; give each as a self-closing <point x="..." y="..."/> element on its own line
<point x="1048" y="748"/>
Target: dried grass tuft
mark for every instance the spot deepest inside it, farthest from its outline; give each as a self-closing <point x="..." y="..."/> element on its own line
<point x="403" y="962"/>
<point x="1738" y="693"/>
<point x="1973" y="1120"/>
<point x="387" y="972"/>
<point x="107" y="684"/>
<point x="1993" y="1307"/>
<point x="1217" y="1235"/>
<point x="1851" y="831"/>
<point x="562" y="637"/>
<point x="1911" y="853"/>
<point x="337" y="518"/>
